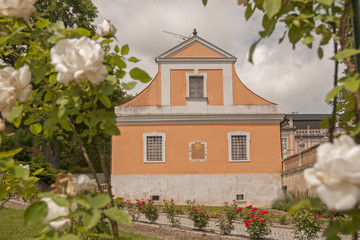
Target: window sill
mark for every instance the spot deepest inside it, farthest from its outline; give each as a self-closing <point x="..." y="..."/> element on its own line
<point x="236" y="161"/>
<point x="196" y="99"/>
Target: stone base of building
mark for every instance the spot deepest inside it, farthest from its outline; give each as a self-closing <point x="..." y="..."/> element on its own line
<point x="209" y="189"/>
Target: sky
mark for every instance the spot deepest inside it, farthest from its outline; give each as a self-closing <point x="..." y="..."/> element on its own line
<point x="294" y="79"/>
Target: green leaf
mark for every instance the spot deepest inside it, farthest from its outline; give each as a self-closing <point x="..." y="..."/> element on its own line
<point x="119" y="62"/>
<point x="48" y="95"/>
<point x="30" y="120"/>
<point x="300" y="205"/>
<point x="272" y="7"/>
<point x="204" y="2"/>
<point x="10" y="154"/>
<point x="138" y="74"/>
<point x="100" y="201"/>
<point x="111" y="79"/>
<point x="14" y="113"/>
<point x="106" y="41"/>
<point x="252" y="49"/>
<point x="35" y="213"/>
<point x="79" y="119"/>
<point x="320" y="52"/>
<point x="133" y="59"/>
<point x="327" y="3"/>
<point x="128" y="85"/>
<point x="117" y="49"/>
<point x="308" y="40"/>
<point x="249" y="12"/>
<point x="36" y="128"/>
<point x="90" y="219"/>
<point x="118" y="216"/>
<point x="3" y="192"/>
<point x="42" y="23"/>
<point x="333" y="93"/>
<point x="37" y="172"/>
<point x="19" y="172"/>
<point x="62" y="202"/>
<point x="65" y="125"/>
<point x="17" y="121"/>
<point x="346" y="53"/>
<point x="69" y="237"/>
<point x="356" y="130"/>
<point x="83" y="32"/>
<point x="295" y="34"/>
<point x="105" y="100"/>
<point x="125" y="49"/>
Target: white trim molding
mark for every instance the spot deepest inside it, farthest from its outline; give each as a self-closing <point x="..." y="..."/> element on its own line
<point x="163" y="140"/>
<point x="247" y="134"/>
<point x="196" y="73"/>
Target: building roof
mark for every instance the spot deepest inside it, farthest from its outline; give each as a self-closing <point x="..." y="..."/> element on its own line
<point x="304" y="121"/>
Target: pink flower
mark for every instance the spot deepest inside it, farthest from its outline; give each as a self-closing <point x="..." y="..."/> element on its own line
<point x="106" y="191"/>
<point x="194" y="209"/>
<point x="321" y="216"/>
<point x="199" y="212"/>
<point x="250" y="206"/>
<point x="314" y="211"/>
<point x="260" y="220"/>
<point x="238" y="210"/>
<point x="252" y="215"/>
<point x="251" y="220"/>
<point x="247" y="224"/>
<point x="254" y="209"/>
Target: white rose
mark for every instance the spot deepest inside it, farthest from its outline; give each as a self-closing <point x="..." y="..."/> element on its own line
<point x="17" y="8"/>
<point x="83" y="182"/>
<point x="107" y="28"/>
<point x="77" y="60"/>
<point x="14" y="85"/>
<point x="55" y="211"/>
<point x="336" y="174"/>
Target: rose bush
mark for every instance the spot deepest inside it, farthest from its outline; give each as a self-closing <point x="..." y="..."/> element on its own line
<point x="336" y="174"/>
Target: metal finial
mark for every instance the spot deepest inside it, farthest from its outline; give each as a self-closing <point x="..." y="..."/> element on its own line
<point x="195" y="32"/>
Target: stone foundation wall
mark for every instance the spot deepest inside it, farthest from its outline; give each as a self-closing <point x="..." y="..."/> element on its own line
<point x="209" y="189"/>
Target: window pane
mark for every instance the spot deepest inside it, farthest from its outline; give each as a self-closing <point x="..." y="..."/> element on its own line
<point x="196" y="86"/>
<point x="154" y="148"/>
<point x="238" y="147"/>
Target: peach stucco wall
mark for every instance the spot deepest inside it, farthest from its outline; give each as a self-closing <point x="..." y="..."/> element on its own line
<point x="178" y="86"/>
<point x="214" y="86"/>
<point x="243" y="96"/>
<point x="196" y="51"/>
<point x="150" y="96"/>
<point x="127" y="151"/>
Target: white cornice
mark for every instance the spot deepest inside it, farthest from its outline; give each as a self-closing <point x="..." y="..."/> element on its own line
<point x="166" y="56"/>
<point x="199" y="119"/>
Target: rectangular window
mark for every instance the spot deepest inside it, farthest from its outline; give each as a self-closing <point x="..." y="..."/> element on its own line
<point x="196" y="86"/>
<point x="154" y="147"/>
<point x="284" y="143"/>
<point x="239" y="146"/>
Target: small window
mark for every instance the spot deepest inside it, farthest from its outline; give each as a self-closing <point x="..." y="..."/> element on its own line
<point x="154" y="147"/>
<point x="239" y="146"/>
<point x="240" y="197"/>
<point x="284" y="143"/>
<point x="155" y="198"/>
<point x="196" y="86"/>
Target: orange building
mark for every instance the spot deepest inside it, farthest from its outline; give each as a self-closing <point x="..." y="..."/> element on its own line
<point x="196" y="132"/>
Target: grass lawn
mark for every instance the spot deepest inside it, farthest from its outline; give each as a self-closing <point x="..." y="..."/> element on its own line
<point x="12" y="228"/>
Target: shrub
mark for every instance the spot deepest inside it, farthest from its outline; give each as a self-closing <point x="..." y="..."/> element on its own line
<point x="257" y="223"/>
<point x="133" y="209"/>
<point x="306" y="224"/>
<point x="282" y="219"/>
<point x="199" y="218"/>
<point x="150" y="211"/>
<point x="226" y="223"/>
<point x="171" y="212"/>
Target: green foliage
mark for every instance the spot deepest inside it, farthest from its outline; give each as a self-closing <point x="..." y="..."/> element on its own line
<point x="225" y="222"/>
<point x="282" y="219"/>
<point x="171" y="211"/>
<point x="307" y="224"/>
<point x="134" y="209"/>
<point x="198" y="215"/>
<point x="150" y="211"/>
<point x="257" y="222"/>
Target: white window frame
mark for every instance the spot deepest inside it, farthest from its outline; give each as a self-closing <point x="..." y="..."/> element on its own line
<point x="247" y="134"/>
<point x="154" y="134"/>
<point x="287" y="143"/>
<point x="196" y="73"/>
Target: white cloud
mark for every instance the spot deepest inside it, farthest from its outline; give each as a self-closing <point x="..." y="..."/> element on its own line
<point x="295" y="80"/>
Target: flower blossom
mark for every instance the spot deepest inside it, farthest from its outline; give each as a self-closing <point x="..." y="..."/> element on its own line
<point x="336" y="174"/>
<point x="14" y="85"/>
<point x="78" y="60"/>
<point x="2" y="125"/>
<point x="107" y="29"/>
<point x="17" y="8"/>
